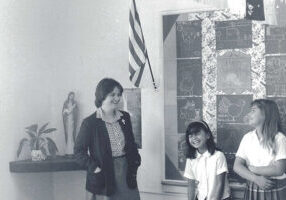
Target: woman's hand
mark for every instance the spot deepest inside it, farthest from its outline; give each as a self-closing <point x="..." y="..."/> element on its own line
<point x="97" y="170"/>
<point x="264" y="183"/>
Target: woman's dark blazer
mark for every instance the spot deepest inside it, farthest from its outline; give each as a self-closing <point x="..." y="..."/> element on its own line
<point x="92" y="149"/>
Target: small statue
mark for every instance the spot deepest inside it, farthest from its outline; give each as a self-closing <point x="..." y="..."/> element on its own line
<point x="70" y="114"/>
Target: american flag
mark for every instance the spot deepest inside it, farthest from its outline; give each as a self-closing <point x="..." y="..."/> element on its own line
<point x="137" y="50"/>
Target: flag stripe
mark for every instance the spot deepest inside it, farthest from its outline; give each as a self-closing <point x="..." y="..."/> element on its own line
<point x="135" y="56"/>
<point x="135" y="27"/>
<point x="137" y="76"/>
<point x="139" y="52"/>
<point x="138" y="80"/>
<point x="135" y="34"/>
<point x="137" y="24"/>
<point x="136" y="13"/>
<point x="132" y="72"/>
<point x="133" y="77"/>
<point x="133" y="63"/>
<point x="137" y="48"/>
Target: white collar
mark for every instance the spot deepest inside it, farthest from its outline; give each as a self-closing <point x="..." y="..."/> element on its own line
<point x="254" y="133"/>
<point x="205" y="154"/>
<point x="100" y="115"/>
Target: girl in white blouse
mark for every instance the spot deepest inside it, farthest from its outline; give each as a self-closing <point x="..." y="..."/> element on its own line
<point x="261" y="156"/>
<point x="206" y="167"/>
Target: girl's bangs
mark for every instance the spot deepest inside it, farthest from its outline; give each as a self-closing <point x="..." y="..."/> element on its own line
<point x="194" y="128"/>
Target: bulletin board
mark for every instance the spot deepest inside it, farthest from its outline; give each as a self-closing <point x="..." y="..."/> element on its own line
<point x="131" y="103"/>
<point x="275" y="37"/>
<point x="215" y="64"/>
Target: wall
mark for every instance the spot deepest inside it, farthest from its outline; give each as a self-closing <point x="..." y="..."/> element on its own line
<point x="49" y="48"/>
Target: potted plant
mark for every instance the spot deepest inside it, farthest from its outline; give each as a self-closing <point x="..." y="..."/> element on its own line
<point x="40" y="144"/>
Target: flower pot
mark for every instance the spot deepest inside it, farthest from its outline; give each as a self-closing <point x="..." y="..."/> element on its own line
<point x="37" y="155"/>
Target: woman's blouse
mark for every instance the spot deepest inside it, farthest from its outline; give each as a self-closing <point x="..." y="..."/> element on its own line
<point x="116" y="137"/>
<point x="115" y="133"/>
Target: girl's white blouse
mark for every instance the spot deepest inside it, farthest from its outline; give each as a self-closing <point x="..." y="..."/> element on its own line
<point x="204" y="169"/>
<point x="255" y="154"/>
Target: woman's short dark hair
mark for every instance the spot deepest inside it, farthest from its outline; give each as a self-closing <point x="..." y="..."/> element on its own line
<point x="103" y="88"/>
<point x="193" y="128"/>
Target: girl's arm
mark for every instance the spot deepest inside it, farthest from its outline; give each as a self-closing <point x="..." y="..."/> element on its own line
<point x="277" y="168"/>
<point x="192" y="189"/>
<point x="241" y="169"/>
<point x="219" y="187"/>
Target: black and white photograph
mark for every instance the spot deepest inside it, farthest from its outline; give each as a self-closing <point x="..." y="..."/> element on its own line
<point x="143" y="100"/>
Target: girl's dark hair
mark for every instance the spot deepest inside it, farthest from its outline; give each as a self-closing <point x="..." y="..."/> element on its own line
<point x="103" y="88"/>
<point x="193" y="128"/>
<point x="272" y="122"/>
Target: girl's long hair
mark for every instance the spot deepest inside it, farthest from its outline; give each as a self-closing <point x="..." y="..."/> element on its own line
<point x="193" y="128"/>
<point x="272" y="122"/>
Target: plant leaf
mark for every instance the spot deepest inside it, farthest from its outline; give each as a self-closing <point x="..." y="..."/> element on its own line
<point x="42" y="141"/>
<point x="49" y="130"/>
<point x="43" y="128"/>
<point x="43" y="149"/>
<point x="33" y="127"/>
<point x="21" y="146"/>
<point x="38" y="143"/>
<point x="52" y="147"/>
<point x="33" y="143"/>
<point x="31" y="133"/>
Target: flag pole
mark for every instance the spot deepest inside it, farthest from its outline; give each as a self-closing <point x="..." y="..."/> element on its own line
<point x="146" y="53"/>
<point x="151" y="72"/>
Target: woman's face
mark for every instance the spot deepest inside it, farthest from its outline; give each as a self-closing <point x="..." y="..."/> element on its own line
<point x="112" y="100"/>
<point x="198" y="140"/>
<point x="256" y="116"/>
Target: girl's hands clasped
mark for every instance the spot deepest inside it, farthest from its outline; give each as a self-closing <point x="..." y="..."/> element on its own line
<point x="264" y="183"/>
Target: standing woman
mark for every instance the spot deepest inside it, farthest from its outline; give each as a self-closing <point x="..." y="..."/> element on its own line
<point x="105" y="146"/>
<point x="261" y="156"/>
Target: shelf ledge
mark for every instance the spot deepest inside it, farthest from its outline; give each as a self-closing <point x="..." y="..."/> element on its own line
<point x="59" y="163"/>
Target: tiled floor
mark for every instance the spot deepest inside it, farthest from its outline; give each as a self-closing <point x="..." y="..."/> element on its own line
<point x="166" y="196"/>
